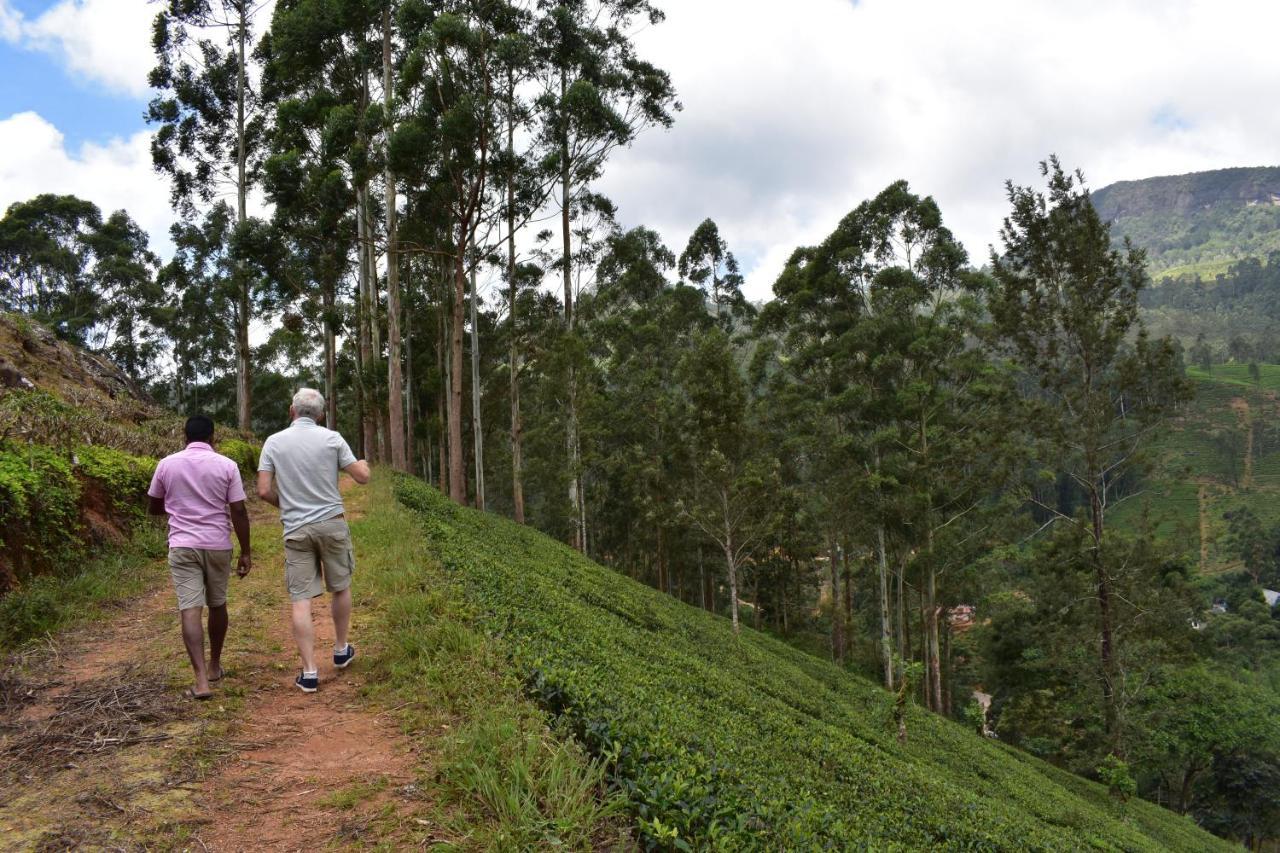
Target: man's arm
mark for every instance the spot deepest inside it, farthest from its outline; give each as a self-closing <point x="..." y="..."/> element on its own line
<point x="267" y="488"/>
<point x="240" y="522"/>
<point x="359" y="471"/>
<point x="155" y="506"/>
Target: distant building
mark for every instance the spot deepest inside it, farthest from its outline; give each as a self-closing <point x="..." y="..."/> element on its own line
<point x="1271" y="596"/>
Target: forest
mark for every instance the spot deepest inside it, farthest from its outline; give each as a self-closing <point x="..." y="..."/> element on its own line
<point x="927" y="467"/>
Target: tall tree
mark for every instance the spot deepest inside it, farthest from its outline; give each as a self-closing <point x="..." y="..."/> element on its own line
<point x="599" y="95"/>
<point x="1066" y="309"/>
<point x="708" y="264"/>
<point x="210" y="126"/>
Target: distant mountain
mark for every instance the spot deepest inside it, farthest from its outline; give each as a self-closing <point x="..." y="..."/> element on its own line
<point x="1200" y="222"/>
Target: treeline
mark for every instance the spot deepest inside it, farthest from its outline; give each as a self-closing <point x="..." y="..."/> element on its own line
<point x="892" y="441"/>
<point x="1233" y="318"/>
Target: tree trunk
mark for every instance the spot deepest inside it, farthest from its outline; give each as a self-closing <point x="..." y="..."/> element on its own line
<point x="517" y="428"/>
<point x="730" y="563"/>
<point x="902" y="616"/>
<point x="364" y="325"/>
<point x="935" y="652"/>
<point x="837" y="616"/>
<point x="395" y="382"/>
<point x="886" y="647"/>
<point x="457" y="469"/>
<point x="1107" y="652"/>
<point x="330" y="358"/>
<point x="244" y="391"/>
<point x="442" y="407"/>
<point x="848" y="602"/>
<point x="478" y="431"/>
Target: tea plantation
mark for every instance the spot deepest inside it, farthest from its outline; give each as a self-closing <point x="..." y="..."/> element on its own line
<point x="746" y="743"/>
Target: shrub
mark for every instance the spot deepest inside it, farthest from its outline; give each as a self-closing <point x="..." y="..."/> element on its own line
<point x="719" y="742"/>
<point x="38" y="514"/>
<point x="125" y="478"/>
<point x="244" y="454"/>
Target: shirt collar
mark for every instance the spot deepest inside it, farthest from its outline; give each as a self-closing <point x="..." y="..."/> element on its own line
<point x="301" y="421"/>
<point x="199" y="445"/>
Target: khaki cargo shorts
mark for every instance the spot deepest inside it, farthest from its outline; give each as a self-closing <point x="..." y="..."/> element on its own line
<point x="318" y="556"/>
<point x="200" y="576"/>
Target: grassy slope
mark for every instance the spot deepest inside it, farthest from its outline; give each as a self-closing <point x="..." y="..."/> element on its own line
<point x="1187" y="461"/>
<point x="748" y="742"/>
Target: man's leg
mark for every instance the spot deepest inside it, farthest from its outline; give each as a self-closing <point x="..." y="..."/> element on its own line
<point x="193" y="639"/>
<point x="217" y="635"/>
<point x="340" y="606"/>
<point x="304" y="633"/>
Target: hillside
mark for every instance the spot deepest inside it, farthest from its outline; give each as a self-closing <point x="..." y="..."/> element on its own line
<point x="1198" y="222"/>
<point x="733" y="743"/>
<point x="1221" y="454"/>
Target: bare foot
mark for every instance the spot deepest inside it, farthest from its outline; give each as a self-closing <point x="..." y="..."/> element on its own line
<point x="215" y="672"/>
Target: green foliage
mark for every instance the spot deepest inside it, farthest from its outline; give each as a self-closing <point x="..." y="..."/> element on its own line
<point x="1114" y="773"/>
<point x="48" y="602"/>
<point x="1197" y="222"/>
<point x="511" y="783"/>
<point x="38" y="510"/>
<point x="720" y="742"/>
<point x="244" y="454"/>
<point x="125" y="478"/>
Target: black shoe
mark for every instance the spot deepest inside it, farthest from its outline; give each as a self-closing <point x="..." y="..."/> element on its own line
<point x="343" y="658"/>
<point x="307" y="685"/>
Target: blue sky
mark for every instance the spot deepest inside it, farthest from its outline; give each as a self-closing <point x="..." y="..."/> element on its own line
<point x="791" y="117"/>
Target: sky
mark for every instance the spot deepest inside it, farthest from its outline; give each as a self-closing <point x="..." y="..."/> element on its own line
<point x="793" y="112"/>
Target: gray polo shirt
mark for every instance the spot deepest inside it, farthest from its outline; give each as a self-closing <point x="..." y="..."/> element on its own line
<point x="305" y="459"/>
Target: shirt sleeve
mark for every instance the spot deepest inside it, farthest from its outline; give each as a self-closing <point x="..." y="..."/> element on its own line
<point x="345" y="456"/>
<point x="235" y="487"/>
<point x="264" y="457"/>
<point x="157" y="482"/>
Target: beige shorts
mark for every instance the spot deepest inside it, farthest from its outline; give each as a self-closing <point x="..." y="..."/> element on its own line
<point x="200" y="576"/>
<point x="318" y="556"/>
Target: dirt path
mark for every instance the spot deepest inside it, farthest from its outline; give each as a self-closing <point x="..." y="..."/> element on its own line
<point x="262" y="766"/>
<point x="1240" y="406"/>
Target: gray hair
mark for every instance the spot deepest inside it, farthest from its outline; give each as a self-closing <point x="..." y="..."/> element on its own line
<point x="308" y="403"/>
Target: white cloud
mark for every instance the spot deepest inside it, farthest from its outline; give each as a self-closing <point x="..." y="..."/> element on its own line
<point x="113" y="175"/>
<point x="794" y="113"/>
<point x="105" y="41"/>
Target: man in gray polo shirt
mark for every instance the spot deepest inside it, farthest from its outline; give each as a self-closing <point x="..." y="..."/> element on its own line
<point x="298" y="472"/>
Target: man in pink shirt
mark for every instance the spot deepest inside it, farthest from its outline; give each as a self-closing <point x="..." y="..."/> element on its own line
<point x="195" y="487"/>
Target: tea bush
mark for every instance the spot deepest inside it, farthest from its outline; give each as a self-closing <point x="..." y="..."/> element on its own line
<point x="244" y="454"/>
<point x="125" y="478"/>
<point x="720" y="742"/>
<point x="38" y="509"/>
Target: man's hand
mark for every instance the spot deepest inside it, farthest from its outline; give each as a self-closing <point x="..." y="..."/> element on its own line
<point x="359" y="471"/>
<point x="244" y="565"/>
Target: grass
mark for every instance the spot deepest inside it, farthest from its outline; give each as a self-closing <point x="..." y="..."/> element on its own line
<point x="508" y="781"/>
<point x="719" y="742"/>
<point x="48" y="603"/>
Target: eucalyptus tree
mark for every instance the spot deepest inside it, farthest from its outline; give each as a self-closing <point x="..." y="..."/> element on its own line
<point x="211" y="123"/>
<point x="124" y="276"/>
<point x="708" y="264"/>
<point x="200" y="280"/>
<point x="450" y="72"/>
<point x="317" y="61"/>
<point x="1066" y="309"/>
<point x="598" y="96"/>
<point x="45" y="260"/>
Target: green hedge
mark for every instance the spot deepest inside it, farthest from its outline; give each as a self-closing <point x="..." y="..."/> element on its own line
<point x="746" y="743"/>
<point x="244" y="454"/>
<point x="39" y="516"/>
<point x="124" y="477"/>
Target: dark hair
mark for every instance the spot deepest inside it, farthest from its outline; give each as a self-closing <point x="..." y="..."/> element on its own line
<point x="199" y="428"/>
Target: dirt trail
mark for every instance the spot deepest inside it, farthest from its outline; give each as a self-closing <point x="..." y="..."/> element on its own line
<point x="1240" y="406"/>
<point x="262" y="766"/>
